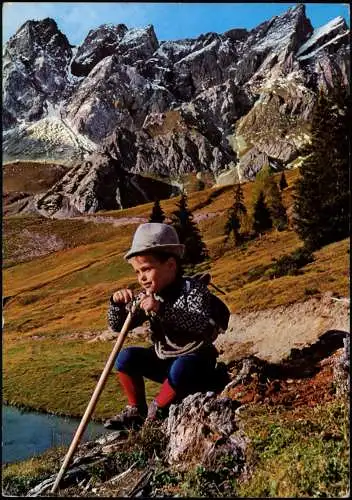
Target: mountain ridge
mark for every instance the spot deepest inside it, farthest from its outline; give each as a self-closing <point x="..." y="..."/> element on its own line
<point x="218" y="103"/>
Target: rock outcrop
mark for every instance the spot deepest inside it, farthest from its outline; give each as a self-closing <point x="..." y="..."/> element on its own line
<point x="234" y="101"/>
<point x="99" y="184"/>
<point x="199" y="427"/>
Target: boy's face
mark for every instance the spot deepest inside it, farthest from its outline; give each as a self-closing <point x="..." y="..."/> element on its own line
<point x="152" y="274"/>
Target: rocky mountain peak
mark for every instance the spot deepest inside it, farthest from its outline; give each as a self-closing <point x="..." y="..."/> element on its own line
<point x="35" y="74"/>
<point x="287" y="31"/>
<point x="35" y="36"/>
<point x="332" y="32"/>
<point x="129" y="45"/>
<point x="98" y="44"/>
<point x="211" y="103"/>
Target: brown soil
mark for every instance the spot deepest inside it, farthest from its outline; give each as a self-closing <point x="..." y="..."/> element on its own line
<point x="290" y="392"/>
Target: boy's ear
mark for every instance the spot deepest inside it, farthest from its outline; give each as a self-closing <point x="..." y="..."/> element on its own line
<point x="172" y="262"/>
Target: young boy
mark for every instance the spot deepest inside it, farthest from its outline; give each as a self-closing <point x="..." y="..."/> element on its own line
<point x="182" y="357"/>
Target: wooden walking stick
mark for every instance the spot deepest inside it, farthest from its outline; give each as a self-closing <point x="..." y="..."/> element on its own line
<point x="94" y="399"/>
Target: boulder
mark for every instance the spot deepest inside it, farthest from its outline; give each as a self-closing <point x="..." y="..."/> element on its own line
<point x="199" y="427"/>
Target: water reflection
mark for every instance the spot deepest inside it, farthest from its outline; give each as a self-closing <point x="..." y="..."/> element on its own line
<point x="25" y="434"/>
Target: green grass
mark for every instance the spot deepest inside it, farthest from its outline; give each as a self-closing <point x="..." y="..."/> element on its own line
<point x="55" y="297"/>
<point x="19" y="478"/>
<point x="23" y="232"/>
<point x="98" y="273"/>
<point x="298" y="454"/>
<point x="61" y="377"/>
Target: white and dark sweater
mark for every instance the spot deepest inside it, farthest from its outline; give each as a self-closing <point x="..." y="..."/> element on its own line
<point x="183" y="322"/>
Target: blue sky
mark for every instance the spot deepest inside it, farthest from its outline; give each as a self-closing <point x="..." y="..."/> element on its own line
<point x="171" y="21"/>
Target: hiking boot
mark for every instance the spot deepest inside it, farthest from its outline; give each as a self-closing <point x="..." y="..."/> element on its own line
<point x="130" y="418"/>
<point x="155" y="413"/>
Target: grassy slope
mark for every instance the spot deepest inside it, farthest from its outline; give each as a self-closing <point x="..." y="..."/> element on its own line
<point x="57" y="297"/>
<point x="31" y="177"/>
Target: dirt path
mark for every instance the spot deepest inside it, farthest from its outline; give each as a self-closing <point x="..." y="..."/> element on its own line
<point x="123" y="221"/>
<point x="272" y="333"/>
<point x="100" y="219"/>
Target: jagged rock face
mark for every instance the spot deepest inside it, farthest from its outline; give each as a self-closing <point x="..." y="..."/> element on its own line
<point x="114" y="95"/>
<point x="244" y="97"/>
<point x="277" y="127"/>
<point x="35" y="71"/>
<point x="129" y="46"/>
<point x="98" y="184"/>
<point x="168" y="145"/>
<point x="99" y="44"/>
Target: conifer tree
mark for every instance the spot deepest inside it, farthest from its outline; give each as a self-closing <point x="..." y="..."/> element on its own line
<point x="321" y="199"/>
<point x="233" y="222"/>
<point x="157" y="214"/>
<point x="283" y="182"/>
<point x="265" y="183"/>
<point x="261" y="215"/>
<point x="276" y="208"/>
<point x="188" y="233"/>
<point x="232" y="225"/>
<point x="260" y="183"/>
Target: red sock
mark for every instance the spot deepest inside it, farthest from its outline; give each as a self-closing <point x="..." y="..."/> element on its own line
<point x="166" y="395"/>
<point x="133" y="388"/>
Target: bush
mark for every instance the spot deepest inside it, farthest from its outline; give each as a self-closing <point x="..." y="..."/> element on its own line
<point x="257" y="272"/>
<point x="290" y="264"/>
<point x="311" y="291"/>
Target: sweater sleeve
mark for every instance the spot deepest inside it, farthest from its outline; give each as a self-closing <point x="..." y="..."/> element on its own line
<point x="117" y="314"/>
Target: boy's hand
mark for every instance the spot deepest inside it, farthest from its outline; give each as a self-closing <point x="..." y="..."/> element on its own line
<point x="122" y="296"/>
<point x="149" y="304"/>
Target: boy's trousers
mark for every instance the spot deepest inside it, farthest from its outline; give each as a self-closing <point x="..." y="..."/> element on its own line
<point x="187" y="374"/>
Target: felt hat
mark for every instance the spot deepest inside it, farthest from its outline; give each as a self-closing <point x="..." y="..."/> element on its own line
<point x="155" y="236"/>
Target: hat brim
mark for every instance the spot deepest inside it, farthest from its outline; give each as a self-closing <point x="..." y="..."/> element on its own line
<point x="177" y="249"/>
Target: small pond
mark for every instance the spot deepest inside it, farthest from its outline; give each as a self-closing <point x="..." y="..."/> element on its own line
<point x="26" y="433"/>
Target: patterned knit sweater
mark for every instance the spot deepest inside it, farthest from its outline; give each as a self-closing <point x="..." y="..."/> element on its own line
<point x="182" y="324"/>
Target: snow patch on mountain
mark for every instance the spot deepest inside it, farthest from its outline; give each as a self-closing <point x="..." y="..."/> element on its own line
<point x="197" y="53"/>
<point x="320" y="48"/>
<point x="134" y="34"/>
<point x="49" y="138"/>
<point x="336" y="24"/>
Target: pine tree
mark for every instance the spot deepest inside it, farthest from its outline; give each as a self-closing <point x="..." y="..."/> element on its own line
<point x="321" y="199"/>
<point x="261" y="182"/>
<point x="276" y="208"/>
<point x="157" y="214"/>
<point x="261" y="215"/>
<point x="232" y="225"/>
<point x="233" y="222"/>
<point x="188" y="233"/>
<point x="265" y="183"/>
<point x="283" y="182"/>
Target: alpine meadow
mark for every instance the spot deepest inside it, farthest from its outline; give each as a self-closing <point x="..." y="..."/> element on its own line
<point x="239" y="141"/>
